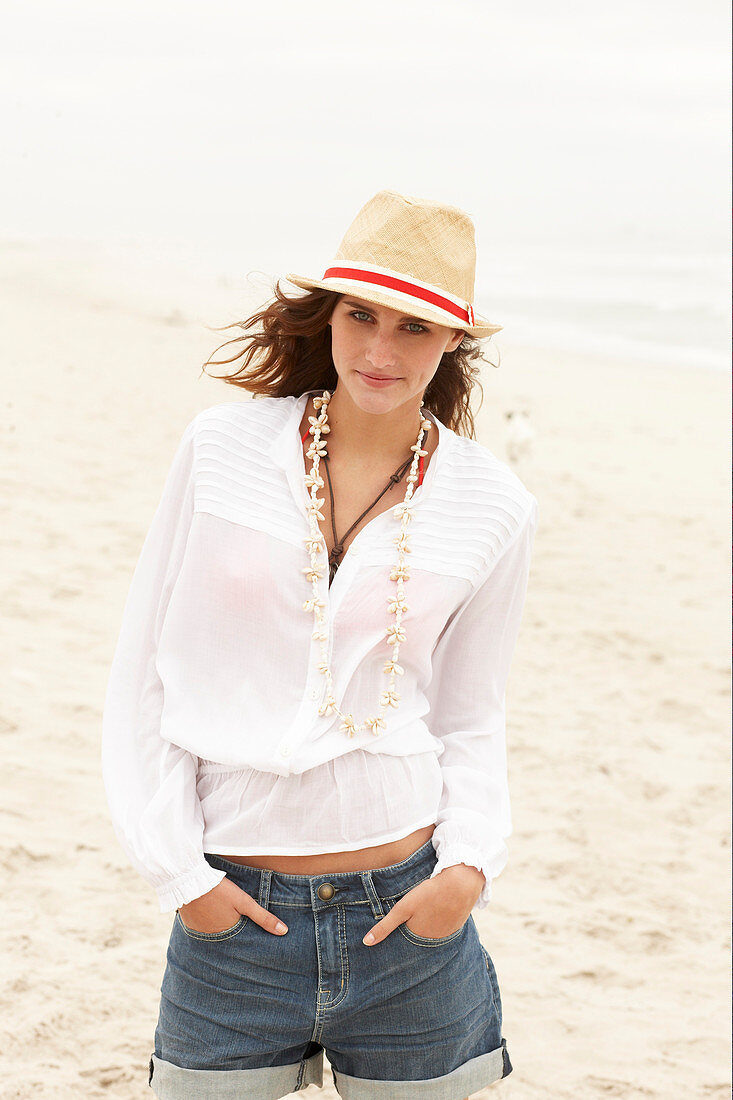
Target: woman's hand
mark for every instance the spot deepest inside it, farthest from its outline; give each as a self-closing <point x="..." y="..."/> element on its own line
<point x="221" y="907"/>
<point x="436" y="907"/>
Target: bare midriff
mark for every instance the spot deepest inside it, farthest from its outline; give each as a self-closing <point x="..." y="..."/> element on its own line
<point x="363" y="859"/>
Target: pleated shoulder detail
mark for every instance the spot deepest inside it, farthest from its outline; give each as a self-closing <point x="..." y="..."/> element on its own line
<point x="475" y="507"/>
<point x="235" y="479"/>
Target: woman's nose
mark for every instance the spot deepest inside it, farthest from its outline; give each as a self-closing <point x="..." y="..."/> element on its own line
<point x="380" y="351"/>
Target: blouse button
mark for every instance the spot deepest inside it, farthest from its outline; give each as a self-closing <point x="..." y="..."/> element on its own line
<point x="285" y="750"/>
<point x="315" y="693"/>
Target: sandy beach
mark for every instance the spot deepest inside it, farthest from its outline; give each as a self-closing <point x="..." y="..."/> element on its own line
<point x="609" y="928"/>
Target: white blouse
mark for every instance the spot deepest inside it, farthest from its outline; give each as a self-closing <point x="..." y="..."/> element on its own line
<point x="211" y="737"/>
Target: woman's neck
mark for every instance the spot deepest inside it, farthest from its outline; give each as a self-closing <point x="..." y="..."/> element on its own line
<point x="363" y="436"/>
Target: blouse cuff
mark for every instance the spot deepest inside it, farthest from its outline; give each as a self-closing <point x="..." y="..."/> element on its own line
<point x="465" y="853"/>
<point x="194" y="883"/>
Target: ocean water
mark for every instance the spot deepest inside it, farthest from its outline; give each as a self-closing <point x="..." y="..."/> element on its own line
<point x="656" y="306"/>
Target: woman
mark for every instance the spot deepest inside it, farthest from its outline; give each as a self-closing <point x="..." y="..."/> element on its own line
<point x="303" y="737"/>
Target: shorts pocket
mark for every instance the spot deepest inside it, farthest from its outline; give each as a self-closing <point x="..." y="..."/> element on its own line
<point x="427" y="941"/>
<point x="412" y="937"/>
<point x="225" y="934"/>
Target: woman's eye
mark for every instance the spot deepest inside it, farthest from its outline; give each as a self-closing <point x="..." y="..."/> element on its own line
<point x="413" y="327"/>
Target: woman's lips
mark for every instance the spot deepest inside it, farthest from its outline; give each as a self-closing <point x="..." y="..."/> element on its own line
<point x="373" y="381"/>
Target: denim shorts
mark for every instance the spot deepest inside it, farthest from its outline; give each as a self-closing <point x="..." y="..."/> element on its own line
<point x="248" y="1014"/>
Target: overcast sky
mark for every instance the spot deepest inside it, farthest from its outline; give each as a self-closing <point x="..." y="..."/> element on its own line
<point x="237" y="130"/>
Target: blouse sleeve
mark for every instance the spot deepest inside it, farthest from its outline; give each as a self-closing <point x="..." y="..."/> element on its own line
<point x="471" y="664"/>
<point x="150" y="783"/>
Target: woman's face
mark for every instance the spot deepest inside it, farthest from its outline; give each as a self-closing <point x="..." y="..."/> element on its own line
<point x="373" y="340"/>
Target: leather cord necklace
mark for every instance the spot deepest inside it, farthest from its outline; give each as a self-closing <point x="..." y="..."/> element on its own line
<point x="334" y="557"/>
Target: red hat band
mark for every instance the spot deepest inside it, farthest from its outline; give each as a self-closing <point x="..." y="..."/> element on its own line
<point x="371" y="275"/>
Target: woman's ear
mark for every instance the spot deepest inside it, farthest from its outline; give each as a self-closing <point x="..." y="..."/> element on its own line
<point x="455" y="340"/>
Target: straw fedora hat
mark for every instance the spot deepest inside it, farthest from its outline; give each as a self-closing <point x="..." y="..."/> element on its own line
<point x="409" y="254"/>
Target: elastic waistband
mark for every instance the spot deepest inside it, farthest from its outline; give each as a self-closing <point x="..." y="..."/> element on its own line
<point x="349" y="887"/>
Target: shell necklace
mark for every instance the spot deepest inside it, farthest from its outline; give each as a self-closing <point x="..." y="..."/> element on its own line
<point x="316" y="545"/>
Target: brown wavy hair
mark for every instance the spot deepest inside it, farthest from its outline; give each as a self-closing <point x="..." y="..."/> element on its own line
<point x="289" y="353"/>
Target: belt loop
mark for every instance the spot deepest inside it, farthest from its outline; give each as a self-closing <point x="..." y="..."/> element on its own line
<point x="372" y="895"/>
<point x="264" y="892"/>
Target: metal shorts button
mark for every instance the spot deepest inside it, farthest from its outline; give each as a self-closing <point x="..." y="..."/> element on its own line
<point x="325" y="891"/>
